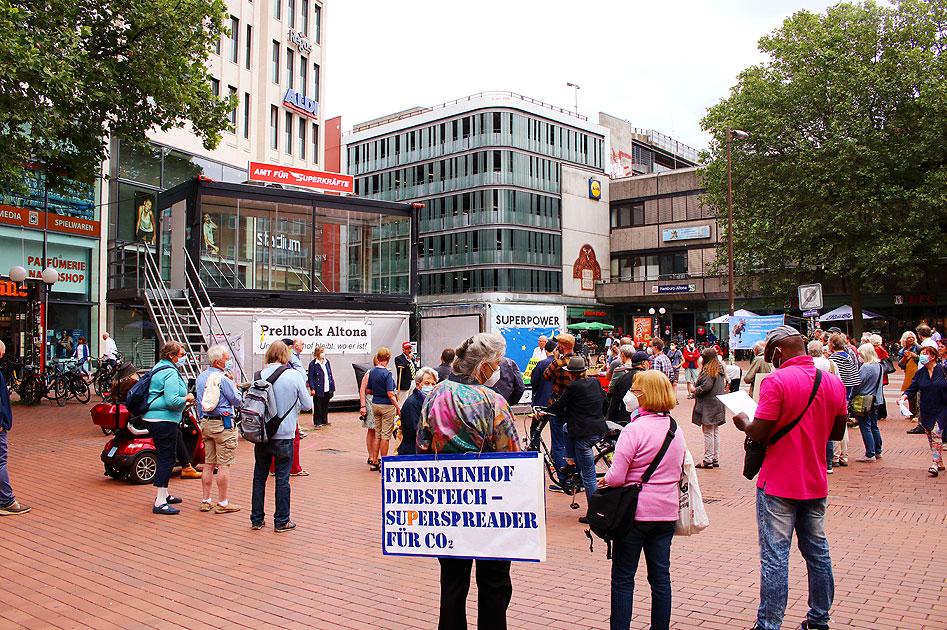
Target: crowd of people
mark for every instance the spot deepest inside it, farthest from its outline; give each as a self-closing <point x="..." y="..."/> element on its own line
<point x="823" y="382"/>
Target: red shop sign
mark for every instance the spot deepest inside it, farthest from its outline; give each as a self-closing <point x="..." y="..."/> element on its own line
<point x="290" y="175"/>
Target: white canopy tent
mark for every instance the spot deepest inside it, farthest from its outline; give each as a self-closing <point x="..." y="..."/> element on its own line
<point x="844" y="314"/>
<point x="725" y="319"/>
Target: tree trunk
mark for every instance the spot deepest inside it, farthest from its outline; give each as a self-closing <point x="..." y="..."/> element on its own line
<point x="857" y="324"/>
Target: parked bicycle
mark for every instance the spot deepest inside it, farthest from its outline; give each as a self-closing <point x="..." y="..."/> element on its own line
<point x="567" y="480"/>
<point x="12" y="373"/>
<point x="101" y="378"/>
<point x="71" y="382"/>
<point x="61" y="381"/>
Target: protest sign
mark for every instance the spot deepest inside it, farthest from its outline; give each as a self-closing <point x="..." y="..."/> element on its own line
<point x="486" y="505"/>
<point x="746" y="331"/>
<point x="521" y="325"/>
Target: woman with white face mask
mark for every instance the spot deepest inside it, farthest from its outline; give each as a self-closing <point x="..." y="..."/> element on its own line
<point x="461" y="415"/>
<point x="424" y="380"/>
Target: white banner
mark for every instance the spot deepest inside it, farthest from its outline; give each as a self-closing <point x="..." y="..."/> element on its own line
<point x="337" y="336"/>
<point x="488" y="505"/>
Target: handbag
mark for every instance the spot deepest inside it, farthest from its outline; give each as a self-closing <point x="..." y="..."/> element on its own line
<point x="755" y="451"/>
<point x="692" y="518"/>
<point x="862" y="404"/>
<point x="611" y="511"/>
<point x="887" y="365"/>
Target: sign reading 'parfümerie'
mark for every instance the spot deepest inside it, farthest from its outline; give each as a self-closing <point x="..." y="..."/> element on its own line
<point x="293" y="176"/>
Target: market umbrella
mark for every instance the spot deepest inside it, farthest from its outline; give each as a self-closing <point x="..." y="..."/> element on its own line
<point x="590" y="326"/>
<point x="725" y="319"/>
<point x="844" y="313"/>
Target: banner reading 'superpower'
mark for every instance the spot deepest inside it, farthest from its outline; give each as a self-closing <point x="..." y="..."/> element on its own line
<point x="487" y="505"/>
<point x="336" y="336"/>
<point x="522" y="325"/>
<point x="746" y="331"/>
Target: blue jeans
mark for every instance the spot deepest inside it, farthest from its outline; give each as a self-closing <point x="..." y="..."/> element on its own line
<point x="557" y="442"/>
<point x="585" y="461"/>
<point x="264" y="454"/>
<point x="6" y="491"/>
<point x="654" y="537"/>
<point x="871" y="434"/>
<point x="777" y="518"/>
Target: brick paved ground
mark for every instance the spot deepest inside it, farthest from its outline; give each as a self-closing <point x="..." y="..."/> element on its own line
<point x="91" y="555"/>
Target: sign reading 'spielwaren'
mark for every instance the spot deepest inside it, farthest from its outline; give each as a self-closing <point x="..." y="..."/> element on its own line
<point x="293" y="176"/>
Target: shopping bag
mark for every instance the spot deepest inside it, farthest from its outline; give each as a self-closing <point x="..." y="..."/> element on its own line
<point x="692" y="518"/>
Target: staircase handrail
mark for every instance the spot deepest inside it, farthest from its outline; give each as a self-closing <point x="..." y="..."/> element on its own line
<point x="154" y="282"/>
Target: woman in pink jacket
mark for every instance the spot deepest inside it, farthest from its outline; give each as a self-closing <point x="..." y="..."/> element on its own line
<point x="652" y="398"/>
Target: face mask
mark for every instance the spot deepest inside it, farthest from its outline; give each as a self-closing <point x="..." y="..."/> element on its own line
<point x="631" y="402"/>
<point x="691" y="346"/>
<point x="490" y="382"/>
<point x="673" y="348"/>
<point x="427" y="389"/>
<point x="229" y="364"/>
<point x="776" y="363"/>
<point x="924" y="359"/>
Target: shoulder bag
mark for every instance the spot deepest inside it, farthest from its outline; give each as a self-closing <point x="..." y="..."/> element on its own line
<point x="756" y="451"/>
<point x="862" y="404"/>
<point x="611" y="511"/>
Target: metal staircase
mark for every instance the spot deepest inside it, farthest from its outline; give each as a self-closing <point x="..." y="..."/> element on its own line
<point x="177" y="314"/>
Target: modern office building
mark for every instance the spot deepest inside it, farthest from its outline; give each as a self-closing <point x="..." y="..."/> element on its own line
<point x="515" y="197"/>
<point x="273" y="62"/>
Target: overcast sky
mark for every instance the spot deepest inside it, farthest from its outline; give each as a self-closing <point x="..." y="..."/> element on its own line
<point x="656" y="64"/>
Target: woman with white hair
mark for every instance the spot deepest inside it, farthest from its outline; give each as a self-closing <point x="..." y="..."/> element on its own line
<point x="465" y="416"/>
<point x="424" y="381"/>
<point x="871" y="375"/>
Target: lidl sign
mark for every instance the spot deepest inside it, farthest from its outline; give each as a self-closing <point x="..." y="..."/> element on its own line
<point x="302" y="104"/>
<point x="595" y="189"/>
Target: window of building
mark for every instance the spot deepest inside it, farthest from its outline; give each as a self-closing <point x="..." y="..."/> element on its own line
<point x="234" y="38"/>
<point x="290" y="69"/>
<point x="302" y="138"/>
<point x="274" y="127"/>
<point x="315" y="142"/>
<point x="276" y="47"/>
<point x="315" y="87"/>
<point x="291" y="11"/>
<point x="303" y="73"/>
<point x="233" y="112"/>
<point x="304" y="12"/>
<point x="248" y="46"/>
<point x="217" y="47"/>
<point x="288" y="140"/>
<point x="277" y="8"/>
<point x="246" y="114"/>
<point x="316" y="23"/>
<point x="215" y="87"/>
<point x="627" y="215"/>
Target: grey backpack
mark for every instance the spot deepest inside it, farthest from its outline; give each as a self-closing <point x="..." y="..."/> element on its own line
<point x="256" y="417"/>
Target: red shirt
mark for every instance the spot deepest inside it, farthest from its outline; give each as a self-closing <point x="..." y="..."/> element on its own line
<point x="795" y="466"/>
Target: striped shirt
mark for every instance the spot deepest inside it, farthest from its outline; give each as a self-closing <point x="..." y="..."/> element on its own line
<point x="662" y="363"/>
<point x="847" y="370"/>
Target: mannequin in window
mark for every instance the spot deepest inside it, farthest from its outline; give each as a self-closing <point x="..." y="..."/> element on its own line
<point x="145" y="225"/>
<point x="209" y="236"/>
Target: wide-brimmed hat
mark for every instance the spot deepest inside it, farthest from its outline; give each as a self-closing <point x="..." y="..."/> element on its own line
<point x="125" y="370"/>
<point x="575" y="364"/>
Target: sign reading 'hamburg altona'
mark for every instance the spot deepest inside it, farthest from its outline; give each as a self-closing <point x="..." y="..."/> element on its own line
<point x="293" y="176"/>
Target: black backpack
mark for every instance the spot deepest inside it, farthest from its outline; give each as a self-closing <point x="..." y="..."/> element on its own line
<point x="136" y="401"/>
<point x="611" y="512"/>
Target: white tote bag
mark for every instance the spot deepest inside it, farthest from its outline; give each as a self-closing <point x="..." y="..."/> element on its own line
<point x="693" y="517"/>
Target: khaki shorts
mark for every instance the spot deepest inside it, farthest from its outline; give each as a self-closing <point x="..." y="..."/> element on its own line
<point x="220" y="444"/>
<point x="384" y="420"/>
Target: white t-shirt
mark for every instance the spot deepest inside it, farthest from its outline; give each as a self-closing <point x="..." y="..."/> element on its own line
<point x="824" y="364"/>
<point x="539" y="354"/>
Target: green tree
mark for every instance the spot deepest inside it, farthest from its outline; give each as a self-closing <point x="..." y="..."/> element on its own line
<point x="74" y="72"/>
<point x="844" y="174"/>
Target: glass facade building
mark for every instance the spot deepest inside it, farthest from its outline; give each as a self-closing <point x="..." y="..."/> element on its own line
<point x="489" y="170"/>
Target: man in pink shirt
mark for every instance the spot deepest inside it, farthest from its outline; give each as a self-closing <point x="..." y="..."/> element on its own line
<point x="792" y="484"/>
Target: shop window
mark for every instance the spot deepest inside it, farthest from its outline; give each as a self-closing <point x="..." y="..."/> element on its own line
<point x="140" y="164"/>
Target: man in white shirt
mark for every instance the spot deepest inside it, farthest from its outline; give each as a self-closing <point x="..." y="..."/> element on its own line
<point x="109" y="349"/>
<point x="539" y="352"/>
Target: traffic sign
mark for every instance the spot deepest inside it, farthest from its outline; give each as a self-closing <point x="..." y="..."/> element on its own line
<point x="813" y="313"/>
<point x="810" y="297"/>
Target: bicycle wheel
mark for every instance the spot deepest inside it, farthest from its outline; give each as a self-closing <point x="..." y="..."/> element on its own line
<point x="80" y="389"/>
<point x="29" y="390"/>
<point x="603" y="461"/>
<point x="59" y="390"/>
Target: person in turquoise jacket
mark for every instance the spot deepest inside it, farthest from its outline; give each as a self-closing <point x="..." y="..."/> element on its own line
<point x="167" y="397"/>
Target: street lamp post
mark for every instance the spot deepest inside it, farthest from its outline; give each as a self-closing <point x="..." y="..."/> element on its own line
<point x="742" y="135"/>
<point x="50" y="276"/>
<point x="576" y="88"/>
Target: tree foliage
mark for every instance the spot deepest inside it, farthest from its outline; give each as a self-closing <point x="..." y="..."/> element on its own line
<point x="844" y="174"/>
<point x="72" y="72"/>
